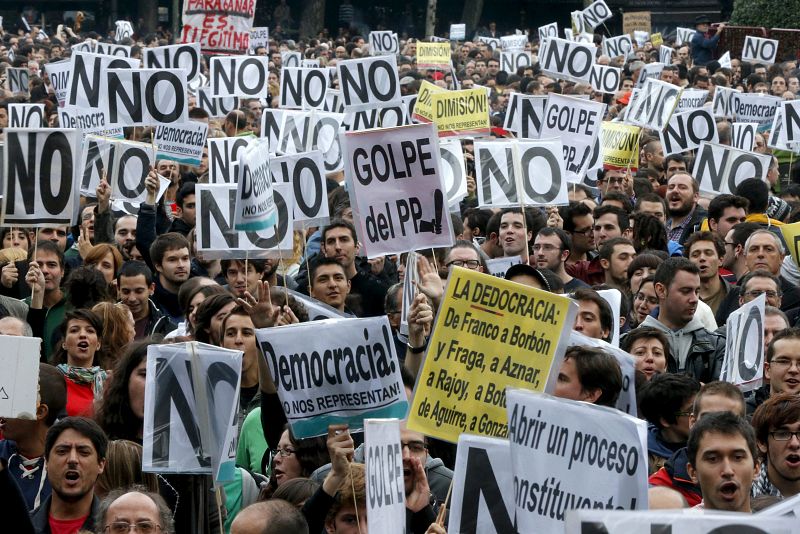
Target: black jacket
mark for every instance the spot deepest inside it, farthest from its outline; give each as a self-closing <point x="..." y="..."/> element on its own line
<point x="41" y="517"/>
<point x="158" y="322"/>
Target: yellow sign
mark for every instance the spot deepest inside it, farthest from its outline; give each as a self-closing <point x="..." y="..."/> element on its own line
<point x="619" y="145"/>
<point x="423" y="108"/>
<point x="433" y="55"/>
<point x="656" y="39"/>
<point x="464" y="112"/>
<point x="636" y="21"/>
<point x="791" y="234"/>
<point x="490" y="333"/>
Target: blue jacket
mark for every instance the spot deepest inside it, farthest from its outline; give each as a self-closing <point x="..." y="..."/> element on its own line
<point x="703" y="48"/>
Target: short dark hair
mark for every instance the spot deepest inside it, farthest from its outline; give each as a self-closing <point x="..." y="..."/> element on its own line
<point x="620" y="197"/>
<point x="597" y="370"/>
<point x="664" y="396"/>
<point x="743" y="231"/>
<point x="776" y="411"/>
<point x="575" y="209"/>
<point x="52" y="391"/>
<point x="650" y="197"/>
<point x="167" y="242"/>
<point x="186" y="190"/>
<point x="566" y="240"/>
<point x="259" y="265"/>
<point x="724" y="423"/>
<point x="644" y="332"/>
<point x="756" y="191"/>
<point x="340" y="223"/>
<point x="719" y="244"/>
<point x="46" y="246"/>
<point x="720" y="203"/>
<point x="133" y="268"/>
<point x="787" y="333"/>
<point x="643" y="260"/>
<point x="478" y="218"/>
<point x="623" y="220"/>
<point x="606" y="315"/>
<point x="607" y="249"/>
<point x="319" y="263"/>
<point x="82" y="425"/>
<point x="666" y="272"/>
<point x="758" y="273"/>
<point x="718" y="387"/>
<point x="674" y="157"/>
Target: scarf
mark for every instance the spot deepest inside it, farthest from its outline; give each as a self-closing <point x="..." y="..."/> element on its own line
<point x="85" y="376"/>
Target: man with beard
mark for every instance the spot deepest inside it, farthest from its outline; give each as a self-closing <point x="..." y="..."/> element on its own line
<point x="777" y="426"/>
<point x="685" y="215"/>
<point x="551" y="248"/>
<point x="75" y="451"/>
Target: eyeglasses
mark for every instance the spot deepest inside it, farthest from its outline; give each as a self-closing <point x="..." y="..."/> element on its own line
<point x="285" y="452"/>
<point x="584" y="232"/>
<point x="123" y="527"/>
<point x="415" y="447"/>
<point x="470" y="264"/>
<point x="784" y="362"/>
<point x="758" y="292"/>
<point x="650" y="300"/>
<point x="612" y="180"/>
<point x="784" y="435"/>
<point x="683" y="414"/>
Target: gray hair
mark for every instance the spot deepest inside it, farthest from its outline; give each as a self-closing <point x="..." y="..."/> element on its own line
<point x="777" y="239"/>
<point x="164" y="513"/>
<point x="27" y="331"/>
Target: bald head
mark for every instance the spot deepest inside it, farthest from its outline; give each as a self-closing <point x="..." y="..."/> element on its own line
<point x="134" y="507"/>
<point x="11" y="326"/>
<point x="664" y="498"/>
<point x="269" y="517"/>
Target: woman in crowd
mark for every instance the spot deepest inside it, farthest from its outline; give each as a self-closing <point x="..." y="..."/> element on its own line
<point x="78" y="358"/>
<point x="209" y="316"/>
<point x="118" y="330"/>
<point x="123" y="469"/>
<point x="106" y="259"/>
<point x="645" y="300"/>
<point x="649" y="347"/>
<point x="14" y="237"/>
<point x="190" y="296"/>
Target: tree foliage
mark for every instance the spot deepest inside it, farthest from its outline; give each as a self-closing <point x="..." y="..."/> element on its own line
<point x="766" y="13"/>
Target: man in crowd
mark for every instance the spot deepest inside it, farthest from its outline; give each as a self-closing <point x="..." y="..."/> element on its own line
<point x="49" y="262"/>
<point x="135" y="288"/>
<point x="589" y="374"/>
<point x="516" y="230"/>
<point x="616" y="255"/>
<point x="706" y="249"/>
<point x="578" y="222"/>
<point x="329" y="283"/>
<point x="725" y="212"/>
<point x="777" y="426"/>
<point x="594" y="318"/>
<point x="134" y="508"/>
<point x="685" y="214"/>
<point x="551" y="248"/>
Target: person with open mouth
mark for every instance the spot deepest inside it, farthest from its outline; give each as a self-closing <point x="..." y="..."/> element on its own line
<point x="777" y="426"/>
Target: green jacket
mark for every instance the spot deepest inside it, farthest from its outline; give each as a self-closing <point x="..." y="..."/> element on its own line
<point x="45" y="324"/>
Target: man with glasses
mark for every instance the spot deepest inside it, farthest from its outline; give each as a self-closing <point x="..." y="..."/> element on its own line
<point x="551" y="248"/>
<point x="612" y="180"/>
<point x="578" y="222"/>
<point x="464" y="254"/>
<point x="136" y="508"/>
<point x="777" y="426"/>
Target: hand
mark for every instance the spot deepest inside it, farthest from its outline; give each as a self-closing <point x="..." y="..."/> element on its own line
<point x="720" y="27"/>
<point x="472" y="186"/>
<point x="263" y="313"/>
<point x="84" y="244"/>
<point x="376" y="264"/>
<point x="10" y="275"/>
<point x="435" y="529"/>
<point x="286" y="316"/>
<point x="420" y="319"/>
<point x="430" y="283"/>
<point x="554" y="219"/>
<point x="103" y="193"/>
<point x="152" y="184"/>
<point x="341" y="450"/>
<point x="420" y="494"/>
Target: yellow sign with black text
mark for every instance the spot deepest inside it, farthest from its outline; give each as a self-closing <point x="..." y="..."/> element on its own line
<point x="619" y="146"/>
<point x="464" y="112"/>
<point x="423" y="108"/>
<point x="433" y="55"/>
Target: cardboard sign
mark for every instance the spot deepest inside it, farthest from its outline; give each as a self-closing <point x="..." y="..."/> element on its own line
<point x="551" y="440"/>
<point x="306" y="174"/>
<point x="88" y="81"/>
<point x="376" y="117"/>
<point x="180" y="56"/>
<point x="605" y="79"/>
<point x="223" y="158"/>
<point x="303" y="88"/>
<point x="191" y="401"/>
<point x="242" y="76"/>
<point x="255" y="205"/>
<point x="692" y="99"/>
<point x="615" y="47"/>
<point x="777" y="135"/>
<point x="755" y="107"/>
<point x="567" y="60"/>
<point x="511" y="61"/>
<point x="182" y="142"/>
<point x="410" y="281"/>
<point x="59" y="74"/>
<point x="217" y="107"/>
<point x="513" y="43"/>
<point x="384" y="43"/>
<point x="636" y="21"/>
<point x="499" y="266"/>
<point x="524" y="115"/>
<point x="743" y="365"/>
<point x="290" y="59"/>
<point x="216" y="237"/>
<point x="485" y="333"/>
<point x="17" y="79"/>
<point x="396" y="189"/>
<point x="369" y="81"/>
<point x="491" y="42"/>
<point x="219" y="27"/>
<point x="433" y="55"/>
<point x="334" y="371"/>
<point x="453" y="169"/>
<point x="790" y="110"/>
<point x="464" y="112"/>
<point x="302" y="132"/>
<point x="19" y="381"/>
<point x="743" y="135"/>
<point x="719" y="168"/>
<point x="124" y="30"/>
<point x="709" y="522"/>
<point x="481" y="500"/>
<point x="683" y="36"/>
<point x="626" y="402"/>
<point x="685" y="131"/>
<point x="146" y="97"/>
<point x="577" y="123"/>
<point x="26" y="116"/>
<point x="548" y="30"/>
<point x="259" y="38"/>
<point x="654" y="105"/>
<point x="597" y="13"/>
<point x="504" y="168"/>
<point x="759" y="50"/>
<point x="458" y="32"/>
<point x="40" y="169"/>
<point x="721" y="105"/>
<point x="383" y="460"/>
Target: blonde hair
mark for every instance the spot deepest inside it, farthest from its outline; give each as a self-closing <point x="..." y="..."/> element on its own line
<point x="124" y="468"/>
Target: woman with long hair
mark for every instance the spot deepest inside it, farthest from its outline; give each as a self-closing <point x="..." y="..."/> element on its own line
<point x="123" y="469"/>
<point x="209" y="316"/>
<point x="118" y="330"/>
<point x="105" y="258"/>
<point x="192" y="296"/>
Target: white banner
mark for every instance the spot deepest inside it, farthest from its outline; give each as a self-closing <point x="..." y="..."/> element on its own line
<point x="513" y="43"/>
<point x="719" y="168"/>
<point x="605" y="79"/>
<point x="511" y="61"/>
<point x="576" y="122"/>
<point x="146" y="97"/>
<point x="548" y="30"/>
<point x="453" y="169"/>
<point x="743" y="135"/>
<point x="305" y="172"/>
<point x="255" y="204"/>
<point x="242" y="76"/>
<point x="17" y="80"/>
<point x="685" y="131"/>
<point x="755" y="107"/>
<point x="368" y="81"/>
<point x="124" y="30"/>
<point x="182" y="142"/>
<point x="760" y="50"/>
<point x="110" y="49"/>
<point x="597" y="13"/>
<point x="180" y="56"/>
<point x="59" y="75"/>
<point x="669" y="521"/>
<point x="19" y="381"/>
<point x="692" y="99"/>
<point x="384" y="43"/>
<point x="131" y="165"/>
<point x="721" y="106"/>
<point x="259" y="37"/>
<point x="383" y="461"/>
<point x="743" y="365"/>
<point x="219" y="27"/>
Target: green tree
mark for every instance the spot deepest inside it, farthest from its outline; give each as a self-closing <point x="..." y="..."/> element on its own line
<point x="766" y="13"/>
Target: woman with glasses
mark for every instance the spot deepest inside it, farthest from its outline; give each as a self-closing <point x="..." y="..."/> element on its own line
<point x="645" y="300"/>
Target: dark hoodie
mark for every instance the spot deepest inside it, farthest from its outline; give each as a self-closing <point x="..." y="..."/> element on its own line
<point x="675" y="475"/>
<point x="658" y="450"/>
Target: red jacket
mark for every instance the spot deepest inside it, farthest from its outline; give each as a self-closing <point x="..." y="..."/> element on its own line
<point x="589" y="271"/>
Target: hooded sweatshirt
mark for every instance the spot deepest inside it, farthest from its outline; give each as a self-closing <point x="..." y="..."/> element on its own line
<point x="680" y="341"/>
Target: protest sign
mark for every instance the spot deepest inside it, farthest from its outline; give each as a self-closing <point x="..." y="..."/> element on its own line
<point x="376" y="116"/>
<point x="567" y="60"/>
<point x="89" y="81"/>
<point x="626" y="402"/>
<point x="259" y="38"/>
<point x="743" y="364"/>
<point x="86" y="46"/>
<point x="691" y="99"/>
<point x="223" y="158"/>
<point x="605" y="79"/>
<point x="649" y="71"/>
<point x="433" y="55"/>
<point x="619" y="146"/>
<point x="667" y="521"/>
<point x="721" y="105"/>
<point x="683" y="36"/>
<point x="577" y="123"/>
<point x="614" y="47"/>
<point x="180" y="56"/>
<point x="423" y="107"/>
<point x="306" y="174"/>
<point x="216" y="237"/>
<point x="218" y="27"/>
<point x="242" y="76"/>
<point x="124" y="30"/>
<point x="482" y="479"/>
<point x="755" y="107"/>
<point x="383" y="461"/>
<point x="499" y="266"/>
<point x="789" y="507"/>
<point x="654" y="105"/>
<point x="255" y="205"/>
<point x="790" y="110"/>
<point x="656" y="39"/>
<point x="489" y="334"/>
<point x="26" y="116"/>
<point x="146" y="97"/>
<point x="458" y="32"/>
<point x="513" y="43"/>
<point x="290" y="59"/>
<point x="636" y="21"/>
<point x="334" y="371"/>
<point x="524" y="115"/>
<point x="578" y="24"/>
<point x="665" y="54"/>
<point x="217" y="107"/>
<point x="40" y="170"/>
<point x="725" y="60"/>
<point x="597" y="13"/>
<point x="396" y="189"/>
<point x="791" y="235"/>
<point x="97" y="161"/>
<point x="464" y="112"/>
<point x="310" y="63"/>
<point x="719" y="168"/>
<point x="181" y="142"/>
<point x="295" y="132"/>
<point x="17" y="79"/>
<point x="368" y="81"/>
<point x="595" y="457"/>
<point x="302" y="88"/>
<point x="410" y="281"/>
<point x="59" y="74"/>
<point x="87" y="123"/>
<point x="548" y="30"/>
<point x="492" y="42"/>
<point x="777" y="136"/>
<point x="453" y="170"/>
<point x="502" y="168"/>
<point x="511" y="61"/>
<point x="743" y="135"/>
<point x="383" y="43"/>
<point x="19" y="381"/>
<point x="759" y="50"/>
<point x="191" y="402"/>
<point x="316" y="310"/>
<point x="685" y="131"/>
<point x="325" y="138"/>
<point x="110" y="49"/>
<point x="131" y="164"/>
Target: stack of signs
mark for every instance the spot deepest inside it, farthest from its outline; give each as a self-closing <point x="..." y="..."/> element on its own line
<point x="489" y="334"/>
<point x="190" y="404"/>
<point x="334" y="371"/>
<point x="396" y="189"/>
<point x="19" y="380"/>
<point x="218" y="29"/>
<point x="577" y="122"/>
<point x="743" y="365"/>
<point x="255" y="204"/>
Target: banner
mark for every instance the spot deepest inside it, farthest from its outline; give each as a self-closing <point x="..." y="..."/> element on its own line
<point x="59" y="74"/>
<point x="217" y="26"/>
<point x="513" y="43"/>
<point x="654" y="105"/>
<point x="316" y="310"/>
<point x="26" y="116"/>
<point x="605" y="79"/>
<point x="255" y="205"/>
<point x="482" y="479"/>
<point x="743" y="135"/>
<point x="180" y="56"/>
<point x="636" y="21"/>
<point x="683" y="36"/>
<point x="303" y="88"/>
<point x="743" y="364"/>
<point x="511" y="61"/>
<point x="384" y="43"/>
<point x="489" y="334"/>
<point x="667" y="521"/>
<point x="685" y="131"/>
<point x="396" y="189"/>
<point x="433" y="56"/>
<point x="593" y="456"/>
<point x="499" y="266"/>
<point x="790" y="111"/>
<point x="619" y="146"/>
<point x="692" y="99"/>
<point x="567" y="60"/>
<point x="40" y="177"/>
<point x="458" y="32"/>
<point x="124" y="30"/>
<point x="290" y="59"/>
<point x="719" y="168"/>
<point x="577" y="123"/>
<point x="305" y="172"/>
<point x="464" y="112"/>
<point x="182" y="142"/>
<point x="383" y="461"/>
<point x="721" y="105"/>
<point x="755" y="107"/>
<point x="242" y="76"/>
<point x="89" y="82"/>
<point x="453" y="169"/>
<point x="368" y="81"/>
<point x="759" y="50"/>
<point x="334" y="371"/>
<point x="191" y="402"/>
<point x="110" y="49"/>
<point x="19" y="381"/>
